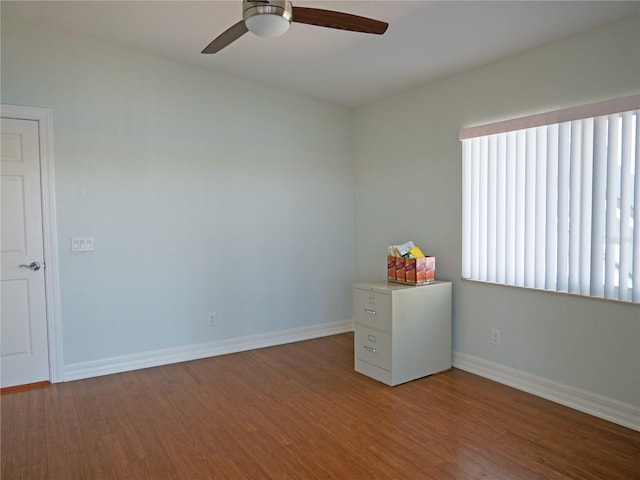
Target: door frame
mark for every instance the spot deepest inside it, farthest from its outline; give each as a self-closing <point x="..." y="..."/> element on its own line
<point x="49" y="230"/>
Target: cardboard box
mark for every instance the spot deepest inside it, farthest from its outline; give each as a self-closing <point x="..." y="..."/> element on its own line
<point x="391" y="267"/>
<point x="401" y="272"/>
<point x="412" y="271"/>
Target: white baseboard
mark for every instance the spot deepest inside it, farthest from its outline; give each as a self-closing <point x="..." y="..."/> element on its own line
<point x="597" y="405"/>
<point x="108" y="366"/>
<point x="603" y="407"/>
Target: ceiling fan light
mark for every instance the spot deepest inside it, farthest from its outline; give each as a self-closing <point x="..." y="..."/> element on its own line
<point x="267" y="25"/>
<point x="267" y="18"/>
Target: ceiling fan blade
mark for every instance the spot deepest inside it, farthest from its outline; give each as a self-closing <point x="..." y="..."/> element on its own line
<point x="339" y="20"/>
<point x="225" y="38"/>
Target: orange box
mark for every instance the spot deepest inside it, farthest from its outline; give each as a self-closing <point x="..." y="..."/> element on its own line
<point x="413" y="271"/>
<point x="425" y="269"/>
<point x="410" y="269"/>
<point x="391" y="267"/>
<point x="401" y="272"/>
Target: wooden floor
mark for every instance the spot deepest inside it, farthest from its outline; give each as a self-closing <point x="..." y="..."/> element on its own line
<point x="299" y="411"/>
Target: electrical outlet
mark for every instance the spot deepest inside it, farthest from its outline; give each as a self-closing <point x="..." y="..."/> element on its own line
<point x="213" y="320"/>
<point x="495" y="336"/>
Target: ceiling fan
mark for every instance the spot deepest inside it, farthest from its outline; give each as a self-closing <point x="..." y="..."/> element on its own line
<point x="271" y="18"/>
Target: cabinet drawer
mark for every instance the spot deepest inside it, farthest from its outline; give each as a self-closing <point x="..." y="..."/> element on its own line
<point x="373" y="309"/>
<point x="373" y="346"/>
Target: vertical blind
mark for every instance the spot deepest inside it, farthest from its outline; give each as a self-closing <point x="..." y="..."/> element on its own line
<point x="552" y="206"/>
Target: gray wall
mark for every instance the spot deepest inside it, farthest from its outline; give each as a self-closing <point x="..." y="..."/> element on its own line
<point x="202" y="192"/>
<point x="408" y="186"/>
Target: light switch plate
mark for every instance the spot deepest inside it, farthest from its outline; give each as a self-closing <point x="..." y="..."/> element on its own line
<point x="82" y="244"/>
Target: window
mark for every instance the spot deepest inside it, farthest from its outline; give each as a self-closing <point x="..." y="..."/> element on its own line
<point x="549" y="201"/>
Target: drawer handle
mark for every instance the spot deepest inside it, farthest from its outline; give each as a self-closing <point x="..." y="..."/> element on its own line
<point x="370" y="312"/>
<point x="370" y="349"/>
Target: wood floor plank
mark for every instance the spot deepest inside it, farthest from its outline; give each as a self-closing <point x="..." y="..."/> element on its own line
<point x="299" y="411"/>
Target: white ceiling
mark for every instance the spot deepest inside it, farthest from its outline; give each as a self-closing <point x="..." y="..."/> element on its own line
<point x="425" y="40"/>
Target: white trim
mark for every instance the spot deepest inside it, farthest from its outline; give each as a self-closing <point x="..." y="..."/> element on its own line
<point x="606" y="107"/>
<point x="186" y="353"/>
<point x="597" y="405"/>
<point x="44" y="117"/>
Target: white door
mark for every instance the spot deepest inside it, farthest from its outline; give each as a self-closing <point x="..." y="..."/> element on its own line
<point x="24" y="353"/>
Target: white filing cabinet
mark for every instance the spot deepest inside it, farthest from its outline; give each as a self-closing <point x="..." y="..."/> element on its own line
<point x="402" y="332"/>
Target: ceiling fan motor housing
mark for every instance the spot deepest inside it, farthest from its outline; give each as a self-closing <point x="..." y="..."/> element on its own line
<point x="267" y="18"/>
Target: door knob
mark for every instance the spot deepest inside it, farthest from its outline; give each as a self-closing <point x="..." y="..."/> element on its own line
<point x="34" y="266"/>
